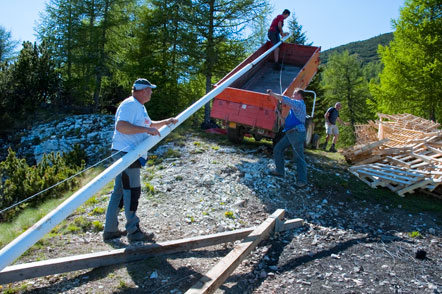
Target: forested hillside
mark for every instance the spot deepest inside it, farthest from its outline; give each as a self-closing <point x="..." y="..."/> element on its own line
<point x="367" y="50"/>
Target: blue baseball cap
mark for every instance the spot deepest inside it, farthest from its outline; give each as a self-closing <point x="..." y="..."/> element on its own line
<point x="141" y="84"/>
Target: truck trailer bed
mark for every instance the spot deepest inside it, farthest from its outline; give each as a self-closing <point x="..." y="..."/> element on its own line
<point x="245" y="106"/>
<point x="268" y="78"/>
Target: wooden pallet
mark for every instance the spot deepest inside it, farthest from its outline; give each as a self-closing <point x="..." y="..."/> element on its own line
<point x="405" y="143"/>
<point x="396" y="179"/>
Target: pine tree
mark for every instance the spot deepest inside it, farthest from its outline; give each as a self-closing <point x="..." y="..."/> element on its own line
<point x="411" y="80"/>
<point x="298" y="36"/>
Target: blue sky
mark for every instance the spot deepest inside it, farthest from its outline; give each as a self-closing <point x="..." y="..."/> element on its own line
<point x="327" y="23"/>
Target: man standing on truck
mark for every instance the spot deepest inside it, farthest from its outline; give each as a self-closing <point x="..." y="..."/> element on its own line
<point x="294" y="130"/>
<point x="331" y="116"/>
<point x="132" y="126"/>
<point x="275" y="31"/>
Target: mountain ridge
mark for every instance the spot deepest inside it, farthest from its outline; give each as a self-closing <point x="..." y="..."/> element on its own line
<point x="367" y="50"/>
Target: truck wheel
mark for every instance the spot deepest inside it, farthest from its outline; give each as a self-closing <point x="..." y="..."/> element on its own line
<point x="257" y="137"/>
<point x="309" y="128"/>
<point x="235" y="135"/>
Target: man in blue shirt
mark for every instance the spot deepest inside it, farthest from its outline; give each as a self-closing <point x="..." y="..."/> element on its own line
<point x="331" y="117"/>
<point x="294" y="130"/>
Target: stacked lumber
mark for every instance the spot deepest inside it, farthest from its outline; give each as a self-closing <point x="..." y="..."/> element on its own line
<point x="402" y="152"/>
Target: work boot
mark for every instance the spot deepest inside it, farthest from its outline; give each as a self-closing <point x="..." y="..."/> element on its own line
<point x="113" y="235"/>
<point x="332" y="148"/>
<point x="139" y="235"/>
<point x="324" y="146"/>
<point x="274" y="173"/>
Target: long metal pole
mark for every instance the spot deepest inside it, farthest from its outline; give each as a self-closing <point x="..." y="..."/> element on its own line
<point x="23" y="242"/>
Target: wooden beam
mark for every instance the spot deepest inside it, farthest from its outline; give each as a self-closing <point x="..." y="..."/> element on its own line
<point x="370" y="146"/>
<point x="25" y="271"/>
<point x="222" y="270"/>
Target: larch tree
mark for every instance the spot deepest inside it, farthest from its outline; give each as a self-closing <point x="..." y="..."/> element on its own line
<point x="7" y="45"/>
<point x="343" y="81"/>
<point x="218" y="25"/>
<point x="411" y="80"/>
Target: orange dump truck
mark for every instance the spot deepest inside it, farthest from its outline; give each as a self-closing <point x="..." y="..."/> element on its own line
<point x="246" y="108"/>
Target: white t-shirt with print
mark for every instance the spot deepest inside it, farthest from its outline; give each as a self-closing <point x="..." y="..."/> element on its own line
<point x="134" y="112"/>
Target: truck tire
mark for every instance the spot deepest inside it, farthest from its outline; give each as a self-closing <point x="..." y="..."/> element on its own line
<point x="257" y="137"/>
<point x="309" y="128"/>
<point x="235" y="135"/>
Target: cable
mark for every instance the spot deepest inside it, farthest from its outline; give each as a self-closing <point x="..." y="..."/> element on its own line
<point x="174" y="282"/>
<point x="59" y="183"/>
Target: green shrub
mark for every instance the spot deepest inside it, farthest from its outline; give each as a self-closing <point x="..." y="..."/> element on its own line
<point x="19" y="181"/>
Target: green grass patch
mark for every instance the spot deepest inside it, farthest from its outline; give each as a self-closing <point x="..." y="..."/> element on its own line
<point x="97" y="226"/>
<point x="171" y="153"/>
<point x="149" y="188"/>
<point x="229" y="214"/>
<point x="97" y="211"/>
<point x="414" y="234"/>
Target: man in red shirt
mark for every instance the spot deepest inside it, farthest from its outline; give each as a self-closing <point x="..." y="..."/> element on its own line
<point x="274" y="32"/>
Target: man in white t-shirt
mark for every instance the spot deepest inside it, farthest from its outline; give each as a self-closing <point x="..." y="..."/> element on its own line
<point x="132" y="126"/>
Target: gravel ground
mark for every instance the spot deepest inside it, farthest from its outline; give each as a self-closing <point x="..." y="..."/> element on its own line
<point x="355" y="239"/>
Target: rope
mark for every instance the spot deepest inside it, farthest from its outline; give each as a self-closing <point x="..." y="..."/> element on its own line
<point x="277" y="111"/>
<point x="59" y="183"/>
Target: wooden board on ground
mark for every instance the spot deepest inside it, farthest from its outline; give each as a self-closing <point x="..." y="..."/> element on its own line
<point x="21" y="272"/>
<point x="222" y="270"/>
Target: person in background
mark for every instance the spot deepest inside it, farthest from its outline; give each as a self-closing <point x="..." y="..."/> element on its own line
<point x="274" y="33"/>
<point x="331" y="117"/>
<point x="132" y="126"/>
<point x="295" y="132"/>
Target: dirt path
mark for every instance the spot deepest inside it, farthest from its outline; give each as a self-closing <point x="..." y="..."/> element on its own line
<point x="355" y="239"/>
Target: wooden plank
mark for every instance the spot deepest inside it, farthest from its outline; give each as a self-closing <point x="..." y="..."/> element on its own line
<point x="413" y="187"/>
<point x="414" y="173"/>
<point x="398" y="161"/>
<point x="222" y="270"/>
<point x="426" y="158"/>
<point x="370" y="146"/>
<point x="383" y="177"/>
<point x="435" y="144"/>
<point x="21" y="272"/>
<point x="111" y="257"/>
<point x="369" y="160"/>
<point x="393" y="174"/>
<point x="290" y="224"/>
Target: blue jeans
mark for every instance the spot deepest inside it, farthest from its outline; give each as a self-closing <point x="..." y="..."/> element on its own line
<point x="296" y="140"/>
<point x="127" y="191"/>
